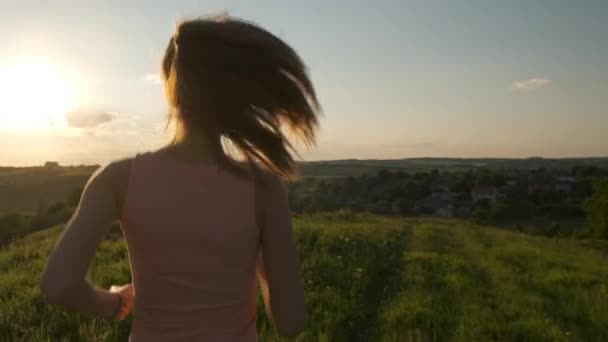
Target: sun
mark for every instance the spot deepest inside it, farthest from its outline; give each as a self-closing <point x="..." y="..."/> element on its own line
<point x="35" y="95"/>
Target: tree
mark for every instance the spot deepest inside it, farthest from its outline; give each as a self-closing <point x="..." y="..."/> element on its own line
<point x="401" y="206"/>
<point x="483" y="210"/>
<point x="596" y="207"/>
<point x="42" y="207"/>
<point x="11" y="221"/>
<point x="73" y="197"/>
<point x="435" y="174"/>
<point x="56" y="207"/>
<point x="384" y="174"/>
<point x="461" y="185"/>
<point x="350" y="185"/>
<point x="10" y="224"/>
<point x="588" y="171"/>
<point x="511" y="210"/>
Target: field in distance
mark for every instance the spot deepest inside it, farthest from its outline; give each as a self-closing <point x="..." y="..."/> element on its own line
<point x="24" y="189"/>
<point x="372" y="278"/>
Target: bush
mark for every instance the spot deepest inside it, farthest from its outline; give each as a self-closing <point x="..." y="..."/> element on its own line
<point x="73" y="197"/>
<point x="10" y="225"/>
<point x="596" y="207"/>
<point x="7" y="221"/>
<point x="56" y="208"/>
<point x="511" y="210"/>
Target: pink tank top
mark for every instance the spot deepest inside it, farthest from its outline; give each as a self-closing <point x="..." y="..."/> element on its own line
<point x="192" y="242"/>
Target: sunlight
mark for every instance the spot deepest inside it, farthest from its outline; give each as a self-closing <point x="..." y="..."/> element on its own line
<point x="35" y="95"/>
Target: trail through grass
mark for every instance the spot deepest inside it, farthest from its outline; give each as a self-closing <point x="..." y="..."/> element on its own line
<point x="371" y="278"/>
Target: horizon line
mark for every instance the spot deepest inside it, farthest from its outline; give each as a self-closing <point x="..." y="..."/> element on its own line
<point x="351" y="159"/>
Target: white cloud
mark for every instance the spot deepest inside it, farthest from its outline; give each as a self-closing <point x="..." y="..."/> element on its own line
<point x="125" y="125"/>
<point x="88" y="118"/>
<point x="530" y="84"/>
<point x="153" y="79"/>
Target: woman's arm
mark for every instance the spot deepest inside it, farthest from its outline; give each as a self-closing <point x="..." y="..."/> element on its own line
<point x="63" y="281"/>
<point x="279" y="268"/>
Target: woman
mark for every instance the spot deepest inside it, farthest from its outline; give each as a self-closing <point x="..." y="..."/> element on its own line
<point x="195" y="219"/>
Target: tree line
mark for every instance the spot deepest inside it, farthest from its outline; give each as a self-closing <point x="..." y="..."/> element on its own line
<point x="399" y="192"/>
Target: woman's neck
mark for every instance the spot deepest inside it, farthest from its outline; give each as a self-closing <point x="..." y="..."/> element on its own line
<point x="195" y="147"/>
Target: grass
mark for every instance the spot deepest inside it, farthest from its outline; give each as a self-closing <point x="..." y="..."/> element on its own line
<point x="371" y="278"/>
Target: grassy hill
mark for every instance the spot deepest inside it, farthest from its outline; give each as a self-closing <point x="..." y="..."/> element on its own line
<point x="371" y="278"/>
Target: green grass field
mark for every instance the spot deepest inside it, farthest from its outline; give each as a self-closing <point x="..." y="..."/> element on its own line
<point x="370" y="278"/>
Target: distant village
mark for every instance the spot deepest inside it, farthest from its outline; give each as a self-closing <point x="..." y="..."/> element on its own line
<point x="482" y="193"/>
<point x="442" y="201"/>
<point x="477" y="192"/>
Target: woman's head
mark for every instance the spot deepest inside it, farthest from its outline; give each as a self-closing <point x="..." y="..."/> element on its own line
<point x="231" y="79"/>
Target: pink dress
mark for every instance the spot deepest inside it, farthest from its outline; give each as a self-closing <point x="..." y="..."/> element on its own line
<point x="192" y="242"/>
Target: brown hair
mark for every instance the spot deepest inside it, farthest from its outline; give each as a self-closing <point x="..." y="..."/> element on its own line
<point x="234" y="80"/>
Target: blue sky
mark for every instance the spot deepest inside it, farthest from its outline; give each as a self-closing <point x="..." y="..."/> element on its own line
<point x="396" y="79"/>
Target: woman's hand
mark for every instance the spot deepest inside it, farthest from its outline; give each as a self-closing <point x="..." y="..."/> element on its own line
<point x="127" y="295"/>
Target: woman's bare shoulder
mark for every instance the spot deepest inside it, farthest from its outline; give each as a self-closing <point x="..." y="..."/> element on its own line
<point x="116" y="171"/>
<point x="115" y="175"/>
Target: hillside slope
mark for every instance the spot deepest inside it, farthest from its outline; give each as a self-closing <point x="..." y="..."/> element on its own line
<point x="25" y="189"/>
<point x="371" y="278"/>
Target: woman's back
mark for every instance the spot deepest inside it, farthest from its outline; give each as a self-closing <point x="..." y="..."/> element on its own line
<point x="193" y="244"/>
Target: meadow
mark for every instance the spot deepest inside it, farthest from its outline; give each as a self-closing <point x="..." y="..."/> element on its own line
<point x="370" y="278"/>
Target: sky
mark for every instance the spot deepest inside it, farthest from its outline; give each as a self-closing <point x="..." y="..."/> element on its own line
<point x="396" y="79"/>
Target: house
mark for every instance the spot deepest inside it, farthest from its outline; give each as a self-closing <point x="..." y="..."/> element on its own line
<point x="564" y="184"/>
<point x="445" y="211"/>
<point x="540" y="183"/>
<point x="51" y="165"/>
<point x="441" y="186"/>
<point x="567" y="179"/>
<point x="534" y="188"/>
<point x="480" y="193"/>
<point x="463" y="208"/>
<point x="507" y="191"/>
<point x="564" y="187"/>
<point x="440" y="204"/>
